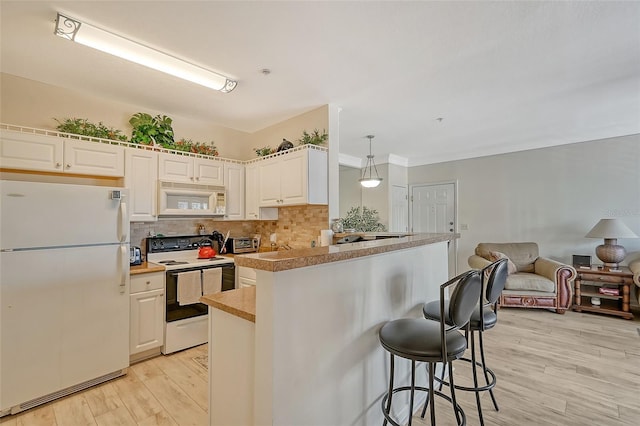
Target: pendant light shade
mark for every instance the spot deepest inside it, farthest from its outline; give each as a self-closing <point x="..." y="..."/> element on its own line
<point x="368" y="179"/>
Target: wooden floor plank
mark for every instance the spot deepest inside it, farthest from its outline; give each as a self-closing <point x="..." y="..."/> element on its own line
<point x="577" y="369"/>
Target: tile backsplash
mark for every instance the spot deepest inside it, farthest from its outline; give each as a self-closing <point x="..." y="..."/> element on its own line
<point x="296" y="226"/>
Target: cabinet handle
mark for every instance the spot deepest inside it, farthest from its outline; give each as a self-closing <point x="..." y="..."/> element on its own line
<point x="148" y="282"/>
<point x="68" y="166"/>
<point x="197" y="178"/>
<point x="58" y="165"/>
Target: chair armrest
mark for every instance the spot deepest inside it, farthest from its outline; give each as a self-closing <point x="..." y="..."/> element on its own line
<point x="561" y="274"/>
<point x="635" y="268"/>
<point x="478" y="262"/>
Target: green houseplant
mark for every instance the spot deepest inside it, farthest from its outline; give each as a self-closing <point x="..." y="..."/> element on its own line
<point x="84" y="127"/>
<point x="363" y="219"/>
<point x="313" y="138"/>
<point x="187" y="145"/>
<point x="265" y="150"/>
<point x="148" y="130"/>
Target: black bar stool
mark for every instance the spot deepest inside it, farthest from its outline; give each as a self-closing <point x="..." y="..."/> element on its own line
<point x="418" y="339"/>
<point x="494" y="277"/>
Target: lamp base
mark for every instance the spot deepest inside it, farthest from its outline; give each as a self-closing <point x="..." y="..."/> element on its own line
<point x="610" y="253"/>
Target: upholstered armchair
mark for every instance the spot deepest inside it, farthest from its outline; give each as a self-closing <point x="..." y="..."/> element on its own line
<point x="635" y="268"/>
<point x="533" y="281"/>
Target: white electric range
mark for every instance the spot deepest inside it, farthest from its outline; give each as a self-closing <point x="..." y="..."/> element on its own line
<point x="186" y="325"/>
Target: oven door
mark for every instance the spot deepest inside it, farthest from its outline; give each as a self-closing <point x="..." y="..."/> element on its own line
<point x="175" y="312"/>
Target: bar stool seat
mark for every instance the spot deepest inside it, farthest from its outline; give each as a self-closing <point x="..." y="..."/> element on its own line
<point x="406" y="338"/>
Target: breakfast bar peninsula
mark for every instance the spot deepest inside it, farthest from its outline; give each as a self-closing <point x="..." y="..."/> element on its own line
<point x="302" y="348"/>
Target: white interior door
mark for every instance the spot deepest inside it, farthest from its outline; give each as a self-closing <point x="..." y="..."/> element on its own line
<point x="399" y="209"/>
<point x="433" y="209"/>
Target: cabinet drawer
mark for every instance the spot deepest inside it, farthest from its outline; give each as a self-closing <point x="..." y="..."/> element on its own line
<point x="605" y="278"/>
<point x="146" y="282"/>
<point x="245" y="282"/>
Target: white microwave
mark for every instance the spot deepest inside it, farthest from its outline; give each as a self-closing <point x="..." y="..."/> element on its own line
<point x="185" y="199"/>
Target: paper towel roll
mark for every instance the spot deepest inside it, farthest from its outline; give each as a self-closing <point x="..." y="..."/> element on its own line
<point x="326" y="235"/>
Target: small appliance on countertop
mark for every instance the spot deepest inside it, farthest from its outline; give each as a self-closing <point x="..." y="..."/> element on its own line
<point x="135" y="256"/>
<point x="242" y="245"/>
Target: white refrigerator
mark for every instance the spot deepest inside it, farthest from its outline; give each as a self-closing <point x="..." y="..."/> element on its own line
<point x="64" y="290"/>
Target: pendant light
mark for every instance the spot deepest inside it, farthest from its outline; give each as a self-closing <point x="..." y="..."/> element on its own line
<point x="368" y="180"/>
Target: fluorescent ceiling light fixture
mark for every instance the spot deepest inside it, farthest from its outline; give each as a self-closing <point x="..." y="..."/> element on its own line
<point x="113" y="44"/>
<point x="368" y="180"/>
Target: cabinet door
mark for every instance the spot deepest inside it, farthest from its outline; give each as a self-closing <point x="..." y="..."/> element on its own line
<point x="251" y="192"/>
<point x="293" y="179"/>
<point x="208" y="172"/>
<point x="90" y="158"/>
<point x="269" y="183"/>
<point x="141" y="177"/>
<point x="234" y="176"/>
<point x="175" y="168"/>
<point x="30" y="152"/>
<point x="147" y="321"/>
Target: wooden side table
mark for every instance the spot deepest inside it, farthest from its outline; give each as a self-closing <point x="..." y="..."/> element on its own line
<point x="589" y="281"/>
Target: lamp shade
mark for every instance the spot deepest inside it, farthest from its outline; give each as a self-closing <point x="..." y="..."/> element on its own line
<point x="611" y="228"/>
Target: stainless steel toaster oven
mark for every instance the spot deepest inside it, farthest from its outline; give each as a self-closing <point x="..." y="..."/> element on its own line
<point x="242" y="245"/>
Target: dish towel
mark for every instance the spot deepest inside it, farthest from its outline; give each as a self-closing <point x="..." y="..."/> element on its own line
<point x="211" y="280"/>
<point x="189" y="288"/>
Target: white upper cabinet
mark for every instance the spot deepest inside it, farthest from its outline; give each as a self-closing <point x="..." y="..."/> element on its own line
<point x="294" y="178"/>
<point x="185" y="169"/>
<point x="141" y="177"/>
<point x="90" y="158"/>
<point x="234" y="178"/>
<point x="28" y="151"/>
<point x="253" y="211"/>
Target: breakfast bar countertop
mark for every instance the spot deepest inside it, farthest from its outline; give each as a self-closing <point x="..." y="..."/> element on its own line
<point x="240" y="302"/>
<point x="283" y="260"/>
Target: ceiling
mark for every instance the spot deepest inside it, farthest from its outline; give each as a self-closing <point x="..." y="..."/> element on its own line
<point x="433" y="81"/>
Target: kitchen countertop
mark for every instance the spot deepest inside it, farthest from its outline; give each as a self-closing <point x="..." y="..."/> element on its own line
<point x="145" y="268"/>
<point x="240" y="302"/>
<point x="283" y="260"/>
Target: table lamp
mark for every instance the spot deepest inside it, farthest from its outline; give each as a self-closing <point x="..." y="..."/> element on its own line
<point x="610" y="253"/>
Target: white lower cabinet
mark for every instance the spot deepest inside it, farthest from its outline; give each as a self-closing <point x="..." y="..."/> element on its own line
<point x="146" y="312"/>
<point x="246" y="277"/>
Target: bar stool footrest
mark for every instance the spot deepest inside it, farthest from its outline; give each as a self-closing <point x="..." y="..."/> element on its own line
<point x="463" y="417"/>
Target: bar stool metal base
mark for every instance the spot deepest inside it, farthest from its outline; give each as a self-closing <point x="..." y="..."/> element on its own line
<point x="489" y="375"/>
<point x="388" y="418"/>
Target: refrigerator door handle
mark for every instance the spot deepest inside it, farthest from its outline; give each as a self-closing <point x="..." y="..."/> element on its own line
<point x="124" y="254"/>
<point x="124" y="223"/>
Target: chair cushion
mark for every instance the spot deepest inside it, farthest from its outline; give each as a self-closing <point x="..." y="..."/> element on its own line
<point x="419" y="339"/>
<point x="431" y="311"/>
<point x="526" y="281"/>
<point x="523" y="255"/>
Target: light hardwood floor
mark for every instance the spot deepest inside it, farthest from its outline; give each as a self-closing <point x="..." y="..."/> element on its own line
<point x="570" y="370"/>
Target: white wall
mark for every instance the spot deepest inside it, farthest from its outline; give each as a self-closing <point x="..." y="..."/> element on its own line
<point x="30" y="103"/>
<point x="552" y="196"/>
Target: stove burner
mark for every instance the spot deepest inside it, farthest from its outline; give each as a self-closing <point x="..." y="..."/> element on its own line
<point x="172" y="262"/>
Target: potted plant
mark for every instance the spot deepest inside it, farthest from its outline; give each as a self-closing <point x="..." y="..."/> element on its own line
<point x="84" y="127"/>
<point x="363" y="219"/>
<point x="148" y="130"/>
<point x="313" y="138"/>
<point x="265" y="150"/>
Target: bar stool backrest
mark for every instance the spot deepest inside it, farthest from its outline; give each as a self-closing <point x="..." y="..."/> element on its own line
<point x="498" y="272"/>
<point x="464" y="299"/>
